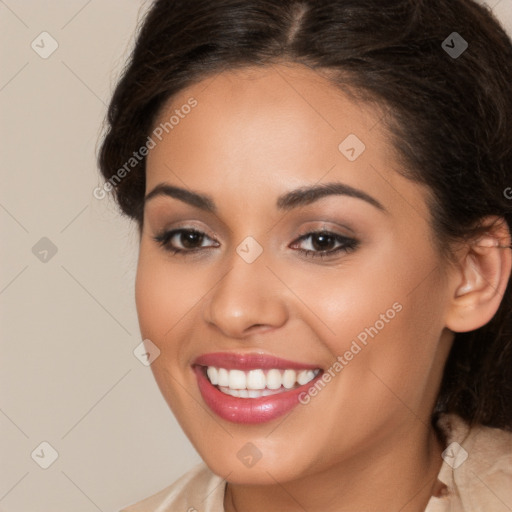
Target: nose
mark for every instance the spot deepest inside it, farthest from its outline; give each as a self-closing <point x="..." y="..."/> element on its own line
<point x="246" y="300"/>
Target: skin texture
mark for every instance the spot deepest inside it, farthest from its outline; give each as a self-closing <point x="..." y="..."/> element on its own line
<point x="364" y="442"/>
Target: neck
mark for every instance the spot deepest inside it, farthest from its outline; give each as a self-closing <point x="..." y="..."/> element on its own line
<point x="402" y="478"/>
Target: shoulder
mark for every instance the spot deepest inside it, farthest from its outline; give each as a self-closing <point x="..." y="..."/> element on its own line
<point x="199" y="489"/>
<point x="477" y="465"/>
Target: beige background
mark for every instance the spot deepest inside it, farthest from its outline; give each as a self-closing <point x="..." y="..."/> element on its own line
<point x="68" y="375"/>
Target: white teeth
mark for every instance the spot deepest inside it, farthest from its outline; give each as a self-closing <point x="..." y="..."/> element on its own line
<point x="249" y="393"/>
<point x="274" y="379"/>
<point x="257" y="383"/>
<point x="305" y="376"/>
<point x="256" y="379"/>
<point x="289" y="378"/>
<point x="213" y="375"/>
<point x="237" y="379"/>
<point x="222" y="376"/>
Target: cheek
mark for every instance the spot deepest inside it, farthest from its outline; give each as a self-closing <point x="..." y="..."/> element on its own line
<point x="164" y="297"/>
<point x="384" y="317"/>
<point x="164" y="294"/>
<point x="344" y="302"/>
<point x="398" y="329"/>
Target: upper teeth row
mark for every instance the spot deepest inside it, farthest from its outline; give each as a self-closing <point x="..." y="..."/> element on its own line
<point x="258" y="379"/>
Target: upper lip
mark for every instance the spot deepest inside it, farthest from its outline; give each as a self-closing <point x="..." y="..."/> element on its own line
<point x="250" y="361"/>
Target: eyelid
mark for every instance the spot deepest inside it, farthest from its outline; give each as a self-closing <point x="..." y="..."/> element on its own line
<point x="346" y="243"/>
<point x="175" y="231"/>
<point x="187" y="226"/>
<point x="333" y="228"/>
<point x="312" y="232"/>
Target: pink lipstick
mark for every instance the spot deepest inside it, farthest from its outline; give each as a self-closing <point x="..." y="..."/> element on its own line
<point x="252" y="388"/>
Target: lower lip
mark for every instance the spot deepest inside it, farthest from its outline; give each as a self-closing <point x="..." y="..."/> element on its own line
<point x="248" y="410"/>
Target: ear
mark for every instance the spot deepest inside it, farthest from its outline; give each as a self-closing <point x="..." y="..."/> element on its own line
<point x="480" y="277"/>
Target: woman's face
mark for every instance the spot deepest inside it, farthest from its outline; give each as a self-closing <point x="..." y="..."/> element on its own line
<point x="307" y="268"/>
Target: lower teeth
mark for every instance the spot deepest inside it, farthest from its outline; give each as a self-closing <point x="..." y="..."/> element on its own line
<point x="251" y="393"/>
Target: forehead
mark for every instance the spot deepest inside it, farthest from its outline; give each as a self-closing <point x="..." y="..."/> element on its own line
<point x="285" y="102"/>
<point x="276" y="127"/>
<point x="271" y="109"/>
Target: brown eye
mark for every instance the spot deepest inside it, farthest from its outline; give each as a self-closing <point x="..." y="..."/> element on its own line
<point x="322" y="241"/>
<point x="324" y="244"/>
<point x="190" y="239"/>
<point x="184" y="240"/>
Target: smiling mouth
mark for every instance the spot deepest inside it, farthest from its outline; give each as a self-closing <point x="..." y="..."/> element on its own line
<point x="252" y="388"/>
<point x="257" y="383"/>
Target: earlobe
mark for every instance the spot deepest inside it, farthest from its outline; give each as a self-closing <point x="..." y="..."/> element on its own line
<point x="481" y="279"/>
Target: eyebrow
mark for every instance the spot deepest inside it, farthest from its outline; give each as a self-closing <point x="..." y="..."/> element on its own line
<point x="299" y="197"/>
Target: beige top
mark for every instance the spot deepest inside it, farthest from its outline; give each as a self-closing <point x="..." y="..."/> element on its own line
<point x="477" y="473"/>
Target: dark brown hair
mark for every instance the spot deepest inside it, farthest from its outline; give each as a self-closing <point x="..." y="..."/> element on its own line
<point x="450" y="122"/>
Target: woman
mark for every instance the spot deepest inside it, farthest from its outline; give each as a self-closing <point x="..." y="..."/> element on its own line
<point x="323" y="278"/>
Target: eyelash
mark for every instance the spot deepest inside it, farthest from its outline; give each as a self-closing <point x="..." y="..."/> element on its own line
<point x="346" y="244"/>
